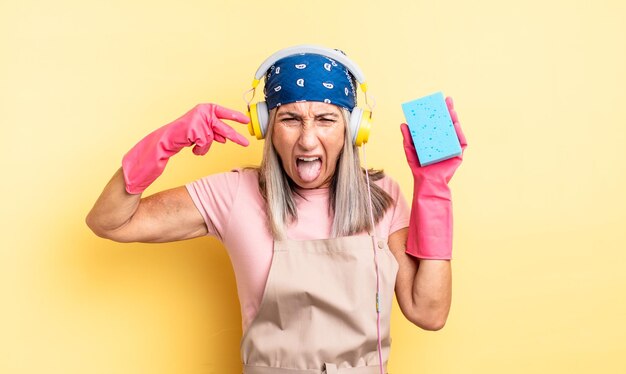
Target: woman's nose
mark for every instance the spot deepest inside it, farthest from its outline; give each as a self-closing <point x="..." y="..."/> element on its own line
<point x="308" y="137"/>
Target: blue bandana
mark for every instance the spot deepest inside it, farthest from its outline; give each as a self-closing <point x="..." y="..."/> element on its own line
<point x="309" y="77"/>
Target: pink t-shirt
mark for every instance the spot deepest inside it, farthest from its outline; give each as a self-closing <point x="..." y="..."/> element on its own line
<point x="234" y="212"/>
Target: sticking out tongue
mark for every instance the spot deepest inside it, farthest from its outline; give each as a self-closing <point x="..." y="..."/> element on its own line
<point x="309" y="170"/>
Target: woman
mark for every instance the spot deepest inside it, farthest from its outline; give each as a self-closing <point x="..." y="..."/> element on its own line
<point x="317" y="244"/>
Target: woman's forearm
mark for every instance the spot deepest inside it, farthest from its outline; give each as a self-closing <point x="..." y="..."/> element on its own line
<point x="423" y="287"/>
<point x="114" y="208"/>
<point x="432" y="293"/>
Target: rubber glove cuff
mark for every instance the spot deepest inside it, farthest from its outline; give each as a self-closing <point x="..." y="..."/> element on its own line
<point x="430" y="225"/>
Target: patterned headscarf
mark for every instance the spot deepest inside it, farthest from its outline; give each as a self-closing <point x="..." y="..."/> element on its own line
<point x="309" y="77"/>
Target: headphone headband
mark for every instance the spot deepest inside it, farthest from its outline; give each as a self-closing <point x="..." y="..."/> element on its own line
<point x="309" y="48"/>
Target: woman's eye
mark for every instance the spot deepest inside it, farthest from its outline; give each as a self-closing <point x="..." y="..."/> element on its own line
<point x="290" y="121"/>
<point x="327" y="122"/>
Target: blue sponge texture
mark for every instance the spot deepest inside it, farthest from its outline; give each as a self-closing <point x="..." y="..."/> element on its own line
<point x="432" y="130"/>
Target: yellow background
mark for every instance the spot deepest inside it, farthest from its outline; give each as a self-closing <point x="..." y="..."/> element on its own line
<point x="539" y="279"/>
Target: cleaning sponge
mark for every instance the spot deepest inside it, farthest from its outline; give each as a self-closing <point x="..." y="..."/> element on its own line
<point x="431" y="128"/>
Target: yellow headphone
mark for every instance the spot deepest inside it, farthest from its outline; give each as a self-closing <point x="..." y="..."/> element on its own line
<point x="360" y="120"/>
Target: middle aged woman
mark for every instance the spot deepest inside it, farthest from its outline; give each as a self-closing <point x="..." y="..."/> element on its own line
<point x="317" y="243"/>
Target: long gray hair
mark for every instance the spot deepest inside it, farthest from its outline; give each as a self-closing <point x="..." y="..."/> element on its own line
<point x="348" y="190"/>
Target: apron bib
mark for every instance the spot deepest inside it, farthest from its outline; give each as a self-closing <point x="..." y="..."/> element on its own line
<point x="318" y="312"/>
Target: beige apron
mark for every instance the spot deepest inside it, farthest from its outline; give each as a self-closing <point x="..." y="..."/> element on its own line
<point x="318" y="313"/>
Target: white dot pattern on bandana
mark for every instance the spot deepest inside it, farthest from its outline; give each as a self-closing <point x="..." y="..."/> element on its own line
<point x="309" y="77"/>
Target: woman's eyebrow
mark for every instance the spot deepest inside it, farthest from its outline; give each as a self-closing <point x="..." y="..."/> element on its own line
<point x="329" y="114"/>
<point x="289" y="114"/>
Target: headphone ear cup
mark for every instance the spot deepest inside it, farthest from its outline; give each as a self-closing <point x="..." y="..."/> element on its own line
<point x="259" y="119"/>
<point x="360" y="126"/>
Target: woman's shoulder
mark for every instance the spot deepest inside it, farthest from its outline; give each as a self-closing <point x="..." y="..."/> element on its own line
<point x="235" y="175"/>
<point x="228" y="182"/>
<point x="247" y="176"/>
<point x="247" y="182"/>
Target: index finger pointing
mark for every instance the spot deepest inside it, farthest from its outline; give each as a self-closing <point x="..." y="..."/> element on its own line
<point x="230" y="114"/>
<point x="228" y="132"/>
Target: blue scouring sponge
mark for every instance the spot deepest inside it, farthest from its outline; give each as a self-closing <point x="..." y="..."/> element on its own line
<point x="431" y="128"/>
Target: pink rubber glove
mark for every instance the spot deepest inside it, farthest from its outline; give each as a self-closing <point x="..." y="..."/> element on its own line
<point x="430" y="226"/>
<point x="200" y="126"/>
